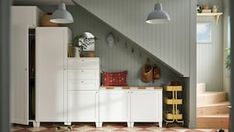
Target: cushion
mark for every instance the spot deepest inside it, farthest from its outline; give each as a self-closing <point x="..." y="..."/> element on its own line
<point x="114" y="78"/>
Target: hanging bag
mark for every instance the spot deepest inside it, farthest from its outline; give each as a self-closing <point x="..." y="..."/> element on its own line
<point x="147" y="73"/>
<point x="156" y="73"/>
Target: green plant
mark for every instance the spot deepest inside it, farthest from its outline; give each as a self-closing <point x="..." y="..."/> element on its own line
<point x="228" y="59"/>
<point x="75" y="41"/>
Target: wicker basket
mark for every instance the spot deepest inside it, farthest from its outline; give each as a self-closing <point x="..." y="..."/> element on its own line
<point x="147" y="73"/>
<point x="45" y="21"/>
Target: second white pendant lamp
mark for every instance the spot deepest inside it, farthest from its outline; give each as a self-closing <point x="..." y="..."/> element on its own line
<point x="158" y="15"/>
<point x="61" y="15"/>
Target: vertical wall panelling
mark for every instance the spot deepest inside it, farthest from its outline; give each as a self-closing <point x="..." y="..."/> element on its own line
<point x="172" y="46"/>
<point x="120" y="56"/>
<point x="210" y="56"/>
<point x="128" y="18"/>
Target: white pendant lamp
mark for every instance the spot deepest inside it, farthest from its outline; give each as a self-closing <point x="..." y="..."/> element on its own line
<point x="158" y="15"/>
<point x="61" y="15"/>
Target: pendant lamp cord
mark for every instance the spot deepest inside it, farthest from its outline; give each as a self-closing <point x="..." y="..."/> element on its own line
<point x="75" y="2"/>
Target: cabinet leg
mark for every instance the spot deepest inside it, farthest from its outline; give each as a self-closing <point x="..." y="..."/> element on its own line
<point x="130" y="124"/>
<point x="36" y="124"/>
<point x="98" y="124"/>
<point x="160" y="124"/>
<point x="67" y="123"/>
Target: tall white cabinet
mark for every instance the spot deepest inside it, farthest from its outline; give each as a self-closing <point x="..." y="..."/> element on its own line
<point x="23" y="18"/>
<point x="51" y="73"/>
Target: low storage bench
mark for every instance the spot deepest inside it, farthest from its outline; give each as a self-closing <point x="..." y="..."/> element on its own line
<point x="130" y="104"/>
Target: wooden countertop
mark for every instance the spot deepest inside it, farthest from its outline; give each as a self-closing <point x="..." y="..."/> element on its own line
<point x="131" y="87"/>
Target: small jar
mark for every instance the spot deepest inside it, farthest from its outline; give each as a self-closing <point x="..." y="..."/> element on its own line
<point x="214" y="9"/>
<point x="205" y="7"/>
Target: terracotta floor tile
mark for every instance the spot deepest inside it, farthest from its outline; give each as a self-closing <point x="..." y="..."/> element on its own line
<point x="107" y="127"/>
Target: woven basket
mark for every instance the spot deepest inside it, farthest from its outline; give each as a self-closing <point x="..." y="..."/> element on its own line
<point x="147" y="73"/>
<point x="45" y="21"/>
<point x="156" y="73"/>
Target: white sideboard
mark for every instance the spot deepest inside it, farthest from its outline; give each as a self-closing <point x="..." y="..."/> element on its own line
<point x="88" y="102"/>
<point x="130" y="105"/>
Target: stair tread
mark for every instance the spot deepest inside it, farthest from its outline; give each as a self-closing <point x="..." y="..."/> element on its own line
<point x="212" y="92"/>
<point x="214" y="116"/>
<point x="224" y="103"/>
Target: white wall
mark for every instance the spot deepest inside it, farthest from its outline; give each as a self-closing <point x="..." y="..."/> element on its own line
<point x="210" y="57"/>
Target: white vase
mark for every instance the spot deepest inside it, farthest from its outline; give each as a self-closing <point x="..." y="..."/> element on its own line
<point x="77" y="52"/>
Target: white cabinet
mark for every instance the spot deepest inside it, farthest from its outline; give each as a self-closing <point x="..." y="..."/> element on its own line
<point x="23" y="18"/>
<point x="51" y="74"/>
<point x="83" y="78"/>
<point x="130" y="105"/>
<point x="114" y="106"/>
<point x="146" y="106"/>
<point x="82" y="106"/>
<point x="83" y="73"/>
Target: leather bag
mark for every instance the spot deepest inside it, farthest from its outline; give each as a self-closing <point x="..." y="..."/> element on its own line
<point x="156" y="73"/>
<point x="147" y="73"/>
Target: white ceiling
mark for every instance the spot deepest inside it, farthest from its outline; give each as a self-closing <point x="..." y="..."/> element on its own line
<point x="41" y="2"/>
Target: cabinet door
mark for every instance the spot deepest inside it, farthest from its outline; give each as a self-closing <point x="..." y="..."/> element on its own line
<point x="82" y="106"/>
<point x="146" y="106"/>
<point x="19" y="75"/>
<point x="113" y="105"/>
<point x="50" y="75"/>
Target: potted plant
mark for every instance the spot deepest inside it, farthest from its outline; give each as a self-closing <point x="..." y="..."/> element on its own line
<point x="77" y="47"/>
<point x="228" y="59"/>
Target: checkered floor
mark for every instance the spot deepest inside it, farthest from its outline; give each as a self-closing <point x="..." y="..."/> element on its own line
<point x="107" y="127"/>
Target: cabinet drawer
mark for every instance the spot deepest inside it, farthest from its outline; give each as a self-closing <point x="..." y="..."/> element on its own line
<point x="83" y="74"/>
<point x="82" y="84"/>
<point x="86" y="63"/>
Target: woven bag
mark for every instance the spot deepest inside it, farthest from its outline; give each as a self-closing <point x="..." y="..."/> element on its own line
<point x="156" y="73"/>
<point x="147" y="73"/>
